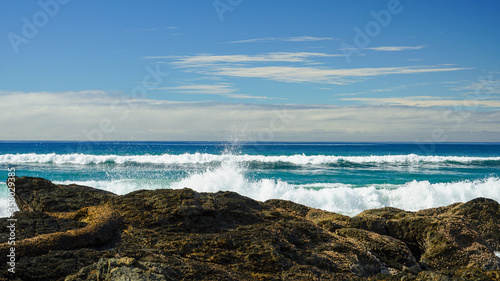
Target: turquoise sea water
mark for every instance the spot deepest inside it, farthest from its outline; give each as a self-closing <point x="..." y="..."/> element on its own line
<point x="342" y="177"/>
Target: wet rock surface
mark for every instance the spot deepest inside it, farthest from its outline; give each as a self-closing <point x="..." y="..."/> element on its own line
<point x="71" y="232"/>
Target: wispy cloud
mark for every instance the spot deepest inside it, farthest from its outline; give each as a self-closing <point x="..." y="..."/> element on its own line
<point x="398" y="88"/>
<point x="202" y="89"/>
<point x="326" y="75"/>
<point x="290" y="67"/>
<point x="396" y="48"/>
<point x="284" y="39"/>
<point x="208" y="59"/>
<point x="225" y="90"/>
<point x="427" y="101"/>
<point x="248" y="66"/>
<point x="485" y="85"/>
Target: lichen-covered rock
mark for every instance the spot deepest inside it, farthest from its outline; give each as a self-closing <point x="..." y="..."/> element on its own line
<point x="124" y="269"/>
<point x="38" y="194"/>
<point x="31" y="224"/>
<point x="393" y="253"/>
<point x="440" y="238"/>
<point x="483" y="214"/>
<point x="72" y="232"/>
<point x="243" y="235"/>
<point x="102" y="223"/>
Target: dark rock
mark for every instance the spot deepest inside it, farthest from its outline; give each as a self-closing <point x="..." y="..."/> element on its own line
<point x="70" y="232"/>
<point x="31" y="224"/>
<point x="37" y="194"/>
<point x="124" y="269"/>
<point x="392" y="252"/>
<point x="102" y="225"/>
<point x="484" y="215"/>
<point x="241" y="234"/>
<point x="441" y="238"/>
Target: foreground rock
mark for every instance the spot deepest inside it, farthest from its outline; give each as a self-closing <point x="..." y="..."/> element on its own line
<point x="80" y="233"/>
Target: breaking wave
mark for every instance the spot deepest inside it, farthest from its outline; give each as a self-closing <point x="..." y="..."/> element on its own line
<point x="205" y="158"/>
<point x="336" y="197"/>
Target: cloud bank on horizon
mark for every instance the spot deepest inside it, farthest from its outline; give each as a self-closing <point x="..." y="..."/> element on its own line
<point x="354" y="71"/>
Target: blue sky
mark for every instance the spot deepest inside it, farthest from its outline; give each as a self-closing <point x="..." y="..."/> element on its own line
<point x="254" y="70"/>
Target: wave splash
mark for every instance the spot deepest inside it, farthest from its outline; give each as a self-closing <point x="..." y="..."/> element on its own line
<point x="336" y="197"/>
<point x="229" y="172"/>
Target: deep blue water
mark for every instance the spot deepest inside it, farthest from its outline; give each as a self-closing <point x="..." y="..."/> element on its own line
<point x="341" y="177"/>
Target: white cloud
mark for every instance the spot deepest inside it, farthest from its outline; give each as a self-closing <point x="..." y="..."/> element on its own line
<point x="396" y="48"/>
<point x="398" y="88"/>
<point x="207" y="59"/>
<point x="307" y="71"/>
<point x="284" y="39"/>
<point x="81" y="115"/>
<point x="321" y="74"/>
<point x="427" y="101"/>
<point x="225" y="90"/>
<point x="202" y="89"/>
<point x="484" y="87"/>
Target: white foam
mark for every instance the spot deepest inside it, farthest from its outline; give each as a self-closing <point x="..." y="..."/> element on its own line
<point x="497" y="254"/>
<point x="203" y="158"/>
<point x="344" y="198"/>
<point x="336" y="197"/>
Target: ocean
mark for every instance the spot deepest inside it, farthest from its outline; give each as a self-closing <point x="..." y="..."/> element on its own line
<point x="341" y="177"/>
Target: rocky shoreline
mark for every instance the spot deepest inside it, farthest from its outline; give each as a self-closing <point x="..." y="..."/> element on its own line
<point x="71" y="232"/>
